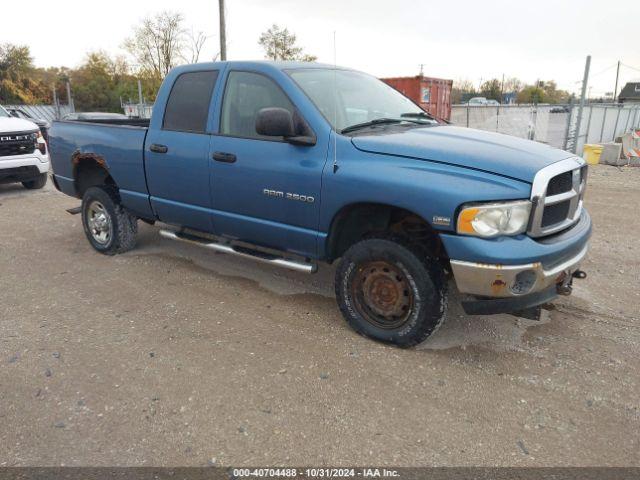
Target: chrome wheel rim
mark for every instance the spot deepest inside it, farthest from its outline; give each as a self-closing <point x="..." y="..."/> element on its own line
<point x="99" y="222"/>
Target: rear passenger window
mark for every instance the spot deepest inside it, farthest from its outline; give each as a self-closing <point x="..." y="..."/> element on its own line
<point x="188" y="104"/>
<point x="245" y="95"/>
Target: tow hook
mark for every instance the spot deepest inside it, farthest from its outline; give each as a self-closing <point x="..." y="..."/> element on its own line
<point x="566" y="286"/>
<point x="563" y="289"/>
<point x="581" y="274"/>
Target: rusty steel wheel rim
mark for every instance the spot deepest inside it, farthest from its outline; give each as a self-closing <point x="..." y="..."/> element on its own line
<point x="382" y="294"/>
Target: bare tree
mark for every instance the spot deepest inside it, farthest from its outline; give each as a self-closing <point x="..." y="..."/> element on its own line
<point x="158" y="44"/>
<point x="196" y="42"/>
<point x="461" y="88"/>
<point x="280" y="44"/>
<point x="513" y="84"/>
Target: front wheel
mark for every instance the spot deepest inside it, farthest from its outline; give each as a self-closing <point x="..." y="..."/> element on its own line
<point x="391" y="291"/>
<point x="37" y="183"/>
<point x="109" y="228"/>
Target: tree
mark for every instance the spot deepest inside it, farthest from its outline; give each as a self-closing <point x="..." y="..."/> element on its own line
<point x="18" y="84"/>
<point x="14" y="59"/>
<point x="543" y="92"/>
<point x="280" y="44"/>
<point x="462" y="90"/>
<point x="531" y="94"/>
<point x="492" y="90"/>
<point x="93" y="83"/>
<point x="552" y="94"/>
<point x="196" y="42"/>
<point x="158" y="44"/>
<point x="512" y="84"/>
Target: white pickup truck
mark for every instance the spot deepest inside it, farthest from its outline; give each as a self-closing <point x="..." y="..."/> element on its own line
<point x="23" y="152"/>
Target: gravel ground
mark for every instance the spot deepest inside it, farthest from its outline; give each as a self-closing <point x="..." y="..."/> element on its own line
<point x="169" y="355"/>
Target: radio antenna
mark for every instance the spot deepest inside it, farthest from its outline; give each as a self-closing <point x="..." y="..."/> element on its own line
<point x="335" y="107"/>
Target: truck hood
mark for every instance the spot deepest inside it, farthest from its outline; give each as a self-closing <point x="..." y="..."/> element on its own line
<point x="14" y="125"/>
<point x="465" y="147"/>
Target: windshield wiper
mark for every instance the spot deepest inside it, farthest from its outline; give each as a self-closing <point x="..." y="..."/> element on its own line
<point x="423" y="115"/>
<point x="377" y="121"/>
<point x="418" y="115"/>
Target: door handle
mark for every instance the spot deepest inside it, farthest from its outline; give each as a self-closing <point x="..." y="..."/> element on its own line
<point x="158" y="148"/>
<point x="224" y="157"/>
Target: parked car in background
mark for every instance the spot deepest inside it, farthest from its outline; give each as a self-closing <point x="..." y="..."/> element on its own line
<point x="297" y="163"/>
<point x="42" y="124"/>
<point x="560" y="109"/>
<point x="492" y="102"/>
<point x="88" y="116"/>
<point x="477" y="101"/>
<point x="23" y="152"/>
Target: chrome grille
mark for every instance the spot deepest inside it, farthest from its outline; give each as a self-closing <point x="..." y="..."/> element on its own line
<point x="556" y="194"/>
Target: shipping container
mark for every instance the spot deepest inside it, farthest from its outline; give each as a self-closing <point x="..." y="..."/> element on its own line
<point x="432" y="94"/>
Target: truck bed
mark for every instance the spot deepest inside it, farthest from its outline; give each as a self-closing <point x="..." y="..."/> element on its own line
<point x="117" y="143"/>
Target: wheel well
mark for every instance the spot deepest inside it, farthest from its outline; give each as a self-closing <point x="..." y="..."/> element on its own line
<point x="89" y="171"/>
<point x="357" y="222"/>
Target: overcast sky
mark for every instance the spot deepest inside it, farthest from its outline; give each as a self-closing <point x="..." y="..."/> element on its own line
<point x="475" y="40"/>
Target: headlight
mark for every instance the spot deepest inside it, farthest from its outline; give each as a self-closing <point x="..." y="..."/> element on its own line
<point x="40" y="144"/>
<point x="494" y="219"/>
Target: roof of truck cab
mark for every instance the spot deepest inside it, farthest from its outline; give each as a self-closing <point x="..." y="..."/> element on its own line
<point x="276" y="65"/>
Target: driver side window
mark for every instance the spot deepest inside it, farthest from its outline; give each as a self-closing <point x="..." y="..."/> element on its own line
<point x="245" y="94"/>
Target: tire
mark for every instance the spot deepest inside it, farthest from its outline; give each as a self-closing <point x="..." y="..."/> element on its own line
<point x="391" y="291"/>
<point x="109" y="228"/>
<point x="37" y="183"/>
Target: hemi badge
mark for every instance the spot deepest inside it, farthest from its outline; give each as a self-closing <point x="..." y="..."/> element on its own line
<point x="445" y="221"/>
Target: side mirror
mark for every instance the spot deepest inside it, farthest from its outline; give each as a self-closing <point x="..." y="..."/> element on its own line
<point x="14" y="114"/>
<point x="275" y="122"/>
<point x="278" y="122"/>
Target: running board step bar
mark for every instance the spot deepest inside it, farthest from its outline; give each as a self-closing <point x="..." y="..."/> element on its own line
<point x="74" y="210"/>
<point x="240" y="251"/>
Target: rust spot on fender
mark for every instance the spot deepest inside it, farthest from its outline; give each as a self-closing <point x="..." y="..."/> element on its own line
<point x="78" y="157"/>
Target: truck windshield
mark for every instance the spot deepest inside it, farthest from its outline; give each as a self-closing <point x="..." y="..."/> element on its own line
<point x="350" y="99"/>
<point x="3" y="112"/>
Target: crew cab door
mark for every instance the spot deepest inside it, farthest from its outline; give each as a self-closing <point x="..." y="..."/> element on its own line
<point x="265" y="191"/>
<point x="177" y="153"/>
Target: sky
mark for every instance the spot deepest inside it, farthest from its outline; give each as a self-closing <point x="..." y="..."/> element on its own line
<point x="463" y="39"/>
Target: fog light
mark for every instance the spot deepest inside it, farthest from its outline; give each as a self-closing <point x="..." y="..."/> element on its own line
<point x="523" y="282"/>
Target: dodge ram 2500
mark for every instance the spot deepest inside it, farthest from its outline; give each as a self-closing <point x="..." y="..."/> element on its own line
<point x="297" y="163"/>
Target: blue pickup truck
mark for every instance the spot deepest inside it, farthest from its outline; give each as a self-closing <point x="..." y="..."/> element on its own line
<point x="297" y="163"/>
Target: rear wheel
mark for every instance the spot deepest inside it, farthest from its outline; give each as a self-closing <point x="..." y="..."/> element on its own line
<point x="37" y="183"/>
<point x="109" y="228"/>
<point x="392" y="291"/>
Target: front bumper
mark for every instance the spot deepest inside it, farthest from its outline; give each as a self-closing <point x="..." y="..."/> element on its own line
<point x="41" y="162"/>
<point x="516" y="273"/>
<point x="500" y="281"/>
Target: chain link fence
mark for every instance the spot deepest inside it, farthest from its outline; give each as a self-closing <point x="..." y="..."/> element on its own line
<point x="554" y="125"/>
<point x="43" y="112"/>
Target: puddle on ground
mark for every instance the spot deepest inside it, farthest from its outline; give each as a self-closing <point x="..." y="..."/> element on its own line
<point x="496" y="332"/>
<point x="500" y="333"/>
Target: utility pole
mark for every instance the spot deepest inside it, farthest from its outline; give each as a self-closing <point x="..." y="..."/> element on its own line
<point x="56" y="103"/>
<point x="615" y="90"/>
<point x="72" y="107"/>
<point x="140" y="99"/>
<point x="502" y="89"/>
<point x="583" y="94"/>
<point x="223" y="33"/>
